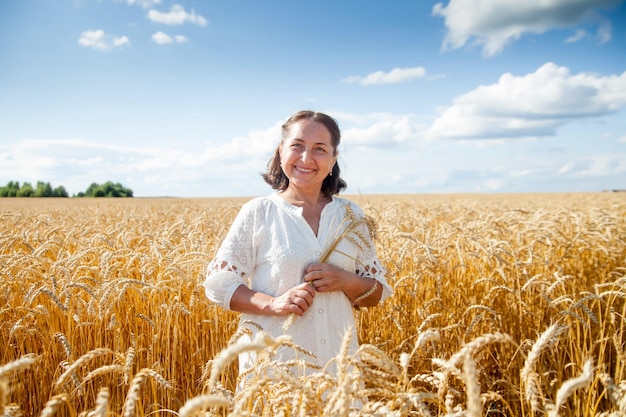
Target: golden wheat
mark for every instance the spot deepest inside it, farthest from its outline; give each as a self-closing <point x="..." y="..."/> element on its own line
<point x="501" y="304"/>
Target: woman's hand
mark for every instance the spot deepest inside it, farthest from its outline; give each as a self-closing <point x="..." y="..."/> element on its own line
<point x="296" y="300"/>
<point x="326" y="277"/>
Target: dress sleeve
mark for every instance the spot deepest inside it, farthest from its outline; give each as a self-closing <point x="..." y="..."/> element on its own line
<point x="368" y="264"/>
<point x="234" y="260"/>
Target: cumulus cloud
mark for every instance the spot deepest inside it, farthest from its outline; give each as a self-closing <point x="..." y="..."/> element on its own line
<point x="495" y="23"/>
<point x="529" y="106"/>
<point x="176" y="16"/>
<point x="165" y="39"/>
<point x="379" y="129"/>
<point x="155" y="170"/>
<point x="396" y="75"/>
<point x="146" y="4"/>
<point x="578" y="35"/>
<point x="101" y="41"/>
<point x="257" y="144"/>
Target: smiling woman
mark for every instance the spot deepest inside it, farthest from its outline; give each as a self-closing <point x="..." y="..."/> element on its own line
<point x="270" y="266"/>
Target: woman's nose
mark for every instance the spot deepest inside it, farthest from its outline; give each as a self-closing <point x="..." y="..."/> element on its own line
<point x="306" y="156"/>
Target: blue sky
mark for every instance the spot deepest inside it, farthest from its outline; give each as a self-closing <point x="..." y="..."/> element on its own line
<point x="185" y="98"/>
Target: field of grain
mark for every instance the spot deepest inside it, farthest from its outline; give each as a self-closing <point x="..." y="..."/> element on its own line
<point x="504" y="305"/>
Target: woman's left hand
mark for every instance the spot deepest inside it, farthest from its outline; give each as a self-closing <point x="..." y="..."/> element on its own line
<point x="325" y="277"/>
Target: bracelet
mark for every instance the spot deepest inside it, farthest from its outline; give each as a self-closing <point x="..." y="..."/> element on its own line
<point x="367" y="293"/>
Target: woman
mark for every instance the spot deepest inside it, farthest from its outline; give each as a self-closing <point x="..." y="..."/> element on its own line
<point x="269" y="265"/>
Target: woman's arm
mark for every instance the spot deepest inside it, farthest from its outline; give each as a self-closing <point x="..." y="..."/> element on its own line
<point x="297" y="300"/>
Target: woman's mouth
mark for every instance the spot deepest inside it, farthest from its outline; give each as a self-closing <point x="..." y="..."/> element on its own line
<point x="304" y="170"/>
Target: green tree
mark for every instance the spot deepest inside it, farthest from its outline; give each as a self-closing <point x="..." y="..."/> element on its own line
<point x="10" y="190"/>
<point x="91" y="189"/>
<point x="26" y="190"/>
<point x="60" y="191"/>
<point x="44" y="189"/>
<point x="108" y="189"/>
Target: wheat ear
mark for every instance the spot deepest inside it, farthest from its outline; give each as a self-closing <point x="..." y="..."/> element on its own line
<point x="102" y="404"/>
<point x="472" y="387"/>
<point x="135" y="389"/>
<point x="529" y="376"/>
<point x="349" y="232"/>
<point x="571" y="385"/>
<point x="198" y="405"/>
<point x="17" y="365"/>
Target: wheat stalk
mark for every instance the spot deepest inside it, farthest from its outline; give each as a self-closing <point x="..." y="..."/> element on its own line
<point x="135" y="387"/>
<point x="347" y="229"/>
<point x="529" y="375"/>
<point x="70" y="371"/>
<point x="571" y="385"/>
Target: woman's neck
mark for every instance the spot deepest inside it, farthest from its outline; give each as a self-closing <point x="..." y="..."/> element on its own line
<point x="304" y="198"/>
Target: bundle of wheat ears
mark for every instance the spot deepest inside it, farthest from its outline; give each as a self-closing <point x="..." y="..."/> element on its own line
<point x="350" y="228"/>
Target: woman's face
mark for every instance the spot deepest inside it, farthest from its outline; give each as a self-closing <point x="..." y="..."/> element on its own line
<point x="307" y="155"/>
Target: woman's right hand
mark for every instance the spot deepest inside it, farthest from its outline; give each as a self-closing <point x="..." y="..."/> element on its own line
<point x="296" y="300"/>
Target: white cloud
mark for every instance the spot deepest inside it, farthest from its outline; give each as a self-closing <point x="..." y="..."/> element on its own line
<point x="601" y="166"/>
<point x="232" y="167"/>
<point x="604" y="33"/>
<point x="176" y="16"/>
<point x="396" y="75"/>
<point x="379" y="129"/>
<point x="165" y="39"/>
<point x="532" y="105"/>
<point x="155" y="170"/>
<point x="578" y="35"/>
<point x="622" y="139"/>
<point x="258" y="143"/>
<point x="101" y="41"/>
<point x="146" y="4"/>
<point x="123" y="40"/>
<point x="495" y="23"/>
<point x="161" y="38"/>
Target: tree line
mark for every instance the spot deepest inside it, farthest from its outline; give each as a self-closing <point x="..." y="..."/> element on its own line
<point x="44" y="189"/>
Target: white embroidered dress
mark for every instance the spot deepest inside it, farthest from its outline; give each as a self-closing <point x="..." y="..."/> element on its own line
<point x="267" y="248"/>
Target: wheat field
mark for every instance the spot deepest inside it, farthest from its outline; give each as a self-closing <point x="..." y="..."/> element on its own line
<point x="504" y="305"/>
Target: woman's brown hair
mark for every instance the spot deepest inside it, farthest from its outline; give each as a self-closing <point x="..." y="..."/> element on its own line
<point x="275" y="176"/>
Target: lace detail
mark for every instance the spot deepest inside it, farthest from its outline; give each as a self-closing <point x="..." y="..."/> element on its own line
<point x="222" y="265"/>
<point x="375" y="270"/>
<point x="234" y="260"/>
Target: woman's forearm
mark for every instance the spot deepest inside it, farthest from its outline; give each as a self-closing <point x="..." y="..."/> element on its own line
<point x="295" y="300"/>
<point x="245" y="300"/>
<point x="363" y="291"/>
